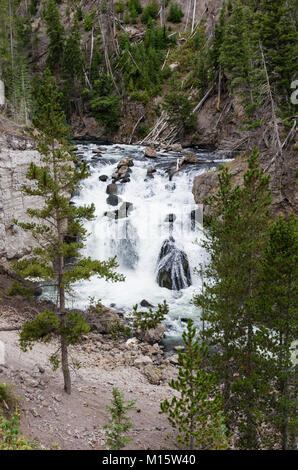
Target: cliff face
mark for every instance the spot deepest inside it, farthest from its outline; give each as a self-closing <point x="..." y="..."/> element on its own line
<point x="17" y="150"/>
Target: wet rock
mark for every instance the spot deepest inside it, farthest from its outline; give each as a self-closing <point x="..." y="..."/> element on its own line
<point x="146" y="304"/>
<point x="122" y="171"/>
<point x="126" y="179"/>
<point x="150" y="152"/>
<point x="112" y="189"/>
<point x="113" y="200"/>
<point x="125" y="162"/>
<point x="151" y="170"/>
<point x="170" y="218"/>
<point x="103" y="178"/>
<point x="173" y="267"/>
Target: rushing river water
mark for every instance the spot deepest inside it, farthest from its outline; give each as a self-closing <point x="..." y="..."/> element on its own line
<point x="137" y="239"/>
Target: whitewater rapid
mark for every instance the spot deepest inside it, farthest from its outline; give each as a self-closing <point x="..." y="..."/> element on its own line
<point x="137" y="239"/>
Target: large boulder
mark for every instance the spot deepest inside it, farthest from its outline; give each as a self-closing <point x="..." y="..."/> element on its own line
<point x="153" y="335"/>
<point x="102" y="319"/>
<point x="173" y="270"/>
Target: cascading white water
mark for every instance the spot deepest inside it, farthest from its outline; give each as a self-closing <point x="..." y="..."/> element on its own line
<point x="137" y="239"/>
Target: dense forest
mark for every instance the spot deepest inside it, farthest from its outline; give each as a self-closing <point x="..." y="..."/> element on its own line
<point x="148" y="73"/>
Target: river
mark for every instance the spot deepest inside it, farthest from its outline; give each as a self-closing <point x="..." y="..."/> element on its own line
<point x="137" y="239"/>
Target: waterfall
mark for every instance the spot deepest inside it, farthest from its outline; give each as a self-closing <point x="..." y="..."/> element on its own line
<point x="150" y="225"/>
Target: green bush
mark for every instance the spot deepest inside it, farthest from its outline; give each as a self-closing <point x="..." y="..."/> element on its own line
<point x="10" y="435"/>
<point x="150" y="12"/>
<point x="151" y="319"/>
<point x="175" y="14"/>
<point x="8" y="400"/>
<point x="88" y="23"/>
<point x="18" y="289"/>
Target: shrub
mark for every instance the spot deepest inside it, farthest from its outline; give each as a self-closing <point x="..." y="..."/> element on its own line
<point x="10" y="435"/>
<point x="150" y="12"/>
<point x="18" y="289"/>
<point x="175" y="14"/>
<point x="8" y="400"/>
<point x="151" y="319"/>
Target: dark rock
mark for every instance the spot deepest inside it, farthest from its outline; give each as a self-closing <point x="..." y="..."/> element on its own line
<point x="103" y="178"/>
<point x="113" y="200"/>
<point x="126" y="179"/>
<point x="145" y="303"/>
<point x="170" y="218"/>
<point x="112" y="189"/>
<point x="151" y="170"/>
<point x="173" y="267"/>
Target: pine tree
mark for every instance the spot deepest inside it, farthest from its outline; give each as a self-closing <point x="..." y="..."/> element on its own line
<point x="175" y="13"/>
<point x="72" y="64"/>
<point x="278" y="34"/>
<point x="237" y="233"/>
<point x="278" y="312"/>
<point x="54" y="182"/>
<point x="196" y="414"/>
<point x="119" y="424"/>
<point x="56" y="34"/>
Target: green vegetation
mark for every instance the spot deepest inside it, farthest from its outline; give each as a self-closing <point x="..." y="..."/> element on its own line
<point x="19" y="289"/>
<point x="119" y="424"/>
<point x="10" y="435"/>
<point x="151" y="319"/>
<point x="179" y="110"/>
<point x="8" y="400"/>
<point x="196" y="414"/>
<point x="103" y="102"/>
<point x="175" y="13"/>
<point x="55" y="181"/>
<point x="150" y="12"/>
<point x="247" y="319"/>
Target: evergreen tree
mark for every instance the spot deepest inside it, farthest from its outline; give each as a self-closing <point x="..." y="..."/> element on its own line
<point x="104" y="103"/>
<point x="175" y="13"/>
<point x="196" y="414"/>
<point x="179" y="109"/>
<point x="237" y="232"/>
<point x="278" y="34"/>
<point x="72" y="64"/>
<point x="119" y="424"/>
<point x="54" y="181"/>
<point x="278" y="312"/>
<point x="56" y="34"/>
